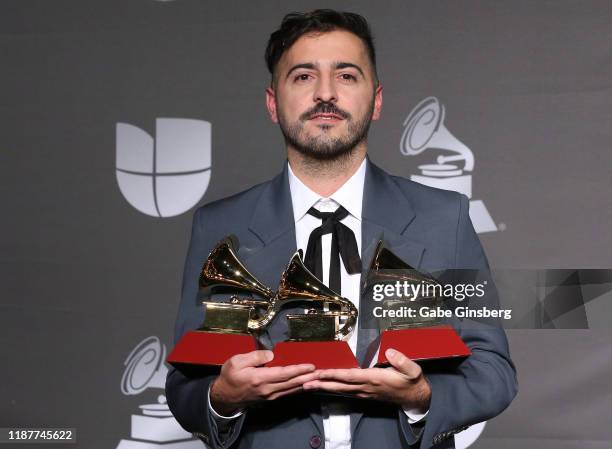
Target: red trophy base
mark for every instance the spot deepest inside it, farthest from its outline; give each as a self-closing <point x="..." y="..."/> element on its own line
<point x="210" y="348"/>
<point x="423" y="343"/>
<point x="322" y="354"/>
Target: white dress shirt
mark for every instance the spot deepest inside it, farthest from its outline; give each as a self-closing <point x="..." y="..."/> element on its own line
<point x="336" y="419"/>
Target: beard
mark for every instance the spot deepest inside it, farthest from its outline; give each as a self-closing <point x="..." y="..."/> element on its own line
<point x="324" y="147"/>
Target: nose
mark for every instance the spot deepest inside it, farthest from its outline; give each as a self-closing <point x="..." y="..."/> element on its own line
<point x="325" y="90"/>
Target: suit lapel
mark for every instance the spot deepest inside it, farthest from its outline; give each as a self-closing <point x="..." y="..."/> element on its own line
<point x="387" y="211"/>
<point x="387" y="215"/>
<point x="273" y="226"/>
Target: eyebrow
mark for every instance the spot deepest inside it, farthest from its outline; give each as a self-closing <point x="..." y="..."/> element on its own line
<point x="305" y="65"/>
<point x="312" y="66"/>
<point x="345" y="65"/>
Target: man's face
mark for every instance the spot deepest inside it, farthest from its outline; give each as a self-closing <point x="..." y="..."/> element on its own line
<point x="324" y="95"/>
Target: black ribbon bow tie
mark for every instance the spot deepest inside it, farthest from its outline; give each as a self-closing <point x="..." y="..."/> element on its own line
<point x="343" y="244"/>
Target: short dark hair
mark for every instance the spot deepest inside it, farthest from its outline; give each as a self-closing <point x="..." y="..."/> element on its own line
<point x="297" y="24"/>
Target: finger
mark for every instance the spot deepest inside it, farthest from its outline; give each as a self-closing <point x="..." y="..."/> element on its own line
<point x="267" y="390"/>
<point x="283" y="373"/>
<point x="351" y="375"/>
<point x="251" y="359"/>
<point x="336" y="387"/>
<point x="286" y="392"/>
<point x="294" y="382"/>
<point x="403" y="364"/>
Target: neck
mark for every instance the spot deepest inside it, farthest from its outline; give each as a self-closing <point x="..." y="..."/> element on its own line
<point x="324" y="177"/>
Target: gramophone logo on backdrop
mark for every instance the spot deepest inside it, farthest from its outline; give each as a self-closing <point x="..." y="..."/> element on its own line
<point x="154" y="427"/>
<point x="424" y="129"/>
<point x="166" y="175"/>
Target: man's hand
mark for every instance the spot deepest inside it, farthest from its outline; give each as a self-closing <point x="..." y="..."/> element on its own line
<point x="403" y="383"/>
<point x="243" y="381"/>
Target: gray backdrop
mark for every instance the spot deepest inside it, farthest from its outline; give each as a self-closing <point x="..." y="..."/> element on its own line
<point x="85" y="277"/>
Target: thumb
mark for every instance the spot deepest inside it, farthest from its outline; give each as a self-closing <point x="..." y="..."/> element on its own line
<point x="403" y="364"/>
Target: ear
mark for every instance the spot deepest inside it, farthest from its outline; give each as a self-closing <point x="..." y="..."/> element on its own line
<point x="271" y="104"/>
<point x="378" y="101"/>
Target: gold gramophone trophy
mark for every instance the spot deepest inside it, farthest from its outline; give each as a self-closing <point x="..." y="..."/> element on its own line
<point x="229" y="328"/>
<point x="317" y="336"/>
<point x="418" y="337"/>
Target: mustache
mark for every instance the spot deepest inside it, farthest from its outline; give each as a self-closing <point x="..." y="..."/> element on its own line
<point x="325" y="108"/>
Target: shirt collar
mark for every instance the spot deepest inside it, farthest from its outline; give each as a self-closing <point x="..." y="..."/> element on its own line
<point x="349" y="195"/>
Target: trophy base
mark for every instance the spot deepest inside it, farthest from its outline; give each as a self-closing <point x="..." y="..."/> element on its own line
<point x="322" y="354"/>
<point x="423" y="344"/>
<point x="209" y="348"/>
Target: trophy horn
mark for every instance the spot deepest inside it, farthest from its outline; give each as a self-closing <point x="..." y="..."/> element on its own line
<point x="299" y="284"/>
<point x="388" y="268"/>
<point x="385" y="259"/>
<point x="224" y="269"/>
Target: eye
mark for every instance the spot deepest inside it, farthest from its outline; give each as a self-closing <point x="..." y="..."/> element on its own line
<point x="302" y="77"/>
<point x="348" y="77"/>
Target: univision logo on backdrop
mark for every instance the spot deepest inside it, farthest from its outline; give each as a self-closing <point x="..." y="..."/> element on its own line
<point x="424" y="129"/>
<point x="165" y="175"/>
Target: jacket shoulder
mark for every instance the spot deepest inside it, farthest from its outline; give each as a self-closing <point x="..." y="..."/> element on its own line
<point x="234" y="206"/>
<point x="427" y="199"/>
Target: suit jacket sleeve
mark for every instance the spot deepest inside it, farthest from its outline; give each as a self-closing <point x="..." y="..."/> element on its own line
<point x="485" y="383"/>
<point x="187" y="394"/>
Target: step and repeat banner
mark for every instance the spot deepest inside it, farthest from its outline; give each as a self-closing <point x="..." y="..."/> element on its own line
<point x="119" y="118"/>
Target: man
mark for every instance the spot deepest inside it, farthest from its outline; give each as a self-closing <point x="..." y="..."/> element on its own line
<point x="323" y="94"/>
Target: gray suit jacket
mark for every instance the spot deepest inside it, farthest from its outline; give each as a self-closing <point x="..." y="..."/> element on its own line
<point x="428" y="228"/>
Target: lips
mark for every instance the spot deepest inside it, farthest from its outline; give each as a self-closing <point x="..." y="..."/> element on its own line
<point x="323" y="116"/>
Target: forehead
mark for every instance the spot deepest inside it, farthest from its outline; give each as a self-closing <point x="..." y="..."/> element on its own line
<point x="326" y="48"/>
